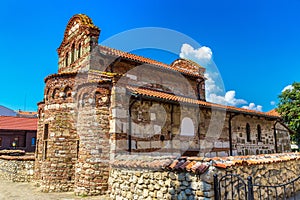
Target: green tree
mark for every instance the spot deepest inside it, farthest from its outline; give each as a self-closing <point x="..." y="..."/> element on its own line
<point x="289" y="109"/>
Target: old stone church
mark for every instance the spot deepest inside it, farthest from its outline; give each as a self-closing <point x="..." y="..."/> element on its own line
<point x="104" y="104"/>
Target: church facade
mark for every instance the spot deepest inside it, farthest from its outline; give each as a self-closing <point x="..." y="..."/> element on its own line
<point x="104" y="104"/>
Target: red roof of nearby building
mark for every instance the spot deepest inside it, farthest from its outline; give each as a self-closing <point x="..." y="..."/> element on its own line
<point x="18" y="123"/>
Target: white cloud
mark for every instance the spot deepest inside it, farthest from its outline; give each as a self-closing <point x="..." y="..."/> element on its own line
<point x="214" y="84"/>
<point x="227" y="99"/>
<point x="252" y="106"/>
<point x="288" y="87"/>
<point x="210" y="83"/>
<point x="273" y="103"/>
<point x="203" y="55"/>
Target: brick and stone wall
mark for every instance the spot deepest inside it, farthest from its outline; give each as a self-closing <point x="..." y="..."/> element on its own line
<point x="192" y="177"/>
<point x="17" y="168"/>
<point x="92" y="166"/>
<point x="160" y="127"/>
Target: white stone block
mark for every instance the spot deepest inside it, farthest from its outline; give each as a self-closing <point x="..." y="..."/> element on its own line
<point x="153" y="116"/>
<point x="218" y="144"/>
<point x="234" y="153"/>
<point x="176" y="144"/>
<point x="222" y="154"/>
<point x="213" y="154"/>
<point x="156" y="144"/>
<point x="225" y="144"/>
<point x="157" y="129"/>
<point x="143" y="144"/>
<point x="133" y="77"/>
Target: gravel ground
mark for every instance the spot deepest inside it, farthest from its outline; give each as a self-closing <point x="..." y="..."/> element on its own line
<point x="27" y="191"/>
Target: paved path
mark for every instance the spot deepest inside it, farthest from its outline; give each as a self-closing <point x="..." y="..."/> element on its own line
<point x="27" y="191"/>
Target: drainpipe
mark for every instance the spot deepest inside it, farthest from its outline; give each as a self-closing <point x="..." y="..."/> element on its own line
<point x="275" y="136"/>
<point x="199" y="89"/>
<point x="170" y="133"/>
<point x="198" y="130"/>
<point x="129" y="122"/>
<point x="231" y="116"/>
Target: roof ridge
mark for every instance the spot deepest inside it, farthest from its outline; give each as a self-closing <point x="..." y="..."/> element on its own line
<point x="124" y="52"/>
<point x="143" y="59"/>
<point x="2" y="116"/>
<point x="196" y="101"/>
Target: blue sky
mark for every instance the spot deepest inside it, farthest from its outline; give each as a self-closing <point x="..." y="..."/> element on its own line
<point x="254" y="44"/>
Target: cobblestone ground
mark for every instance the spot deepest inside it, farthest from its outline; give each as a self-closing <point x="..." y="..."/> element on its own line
<point x="27" y="191"/>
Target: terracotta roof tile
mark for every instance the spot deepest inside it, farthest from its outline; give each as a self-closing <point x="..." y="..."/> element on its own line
<point x="172" y="97"/>
<point x="181" y="162"/>
<point x="220" y="165"/>
<point x="190" y="165"/>
<point x="273" y="112"/>
<point x="115" y="52"/>
<point x="183" y="166"/>
<point x="18" y="123"/>
<point x="254" y="159"/>
<point x="174" y="163"/>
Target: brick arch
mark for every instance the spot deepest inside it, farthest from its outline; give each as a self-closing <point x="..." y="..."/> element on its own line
<point x="83" y="95"/>
<point x="101" y="96"/>
<point x="67" y="92"/>
<point x="47" y="92"/>
<point x="55" y="93"/>
<point x="79" y="22"/>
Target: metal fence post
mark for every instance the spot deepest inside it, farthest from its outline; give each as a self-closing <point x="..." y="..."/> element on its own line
<point x="216" y="186"/>
<point x="250" y="188"/>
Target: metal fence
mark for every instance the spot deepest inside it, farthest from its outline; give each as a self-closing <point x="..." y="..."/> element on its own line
<point x="232" y="186"/>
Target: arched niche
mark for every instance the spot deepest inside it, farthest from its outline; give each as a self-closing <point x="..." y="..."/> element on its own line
<point x="187" y="127"/>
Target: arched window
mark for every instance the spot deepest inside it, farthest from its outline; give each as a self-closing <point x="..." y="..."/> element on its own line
<point x="258" y="133"/>
<point x="187" y="127"/>
<point x="85" y="99"/>
<point x="248" y="132"/>
<point x="73" y="53"/>
<point x="68" y="92"/>
<point x="67" y="60"/>
<point x="47" y="94"/>
<point x="97" y="98"/>
<point x="55" y="93"/>
<point x="79" y="51"/>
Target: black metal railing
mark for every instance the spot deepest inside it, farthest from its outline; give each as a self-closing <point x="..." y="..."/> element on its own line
<point x="281" y="191"/>
<point x="232" y="186"/>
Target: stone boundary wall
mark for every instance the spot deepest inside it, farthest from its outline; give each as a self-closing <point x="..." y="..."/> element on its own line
<point x="192" y="177"/>
<point x="17" y="168"/>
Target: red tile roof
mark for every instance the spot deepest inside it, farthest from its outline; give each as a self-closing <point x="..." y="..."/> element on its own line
<point x="172" y="97"/>
<point x="115" y="52"/>
<point x="18" y="123"/>
<point x="26" y="112"/>
<point x="199" y="165"/>
<point x="273" y="112"/>
<point x="226" y="162"/>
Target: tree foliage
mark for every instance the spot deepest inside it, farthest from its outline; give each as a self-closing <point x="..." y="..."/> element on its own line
<point x="289" y="109"/>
